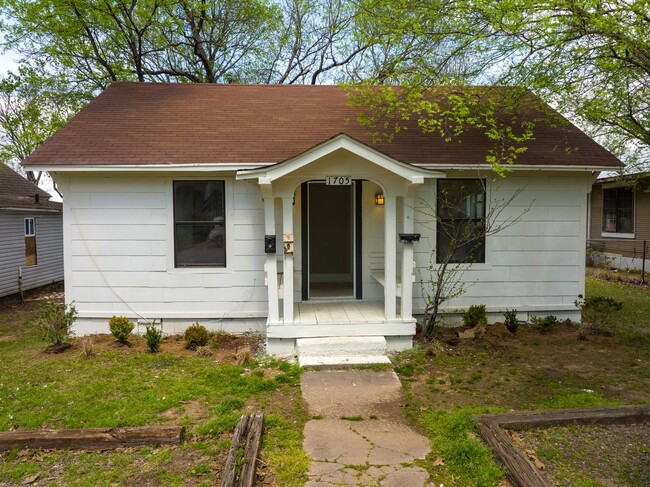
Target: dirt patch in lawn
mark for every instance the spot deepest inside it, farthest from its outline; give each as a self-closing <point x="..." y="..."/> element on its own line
<point x="222" y="347"/>
<point x="529" y="370"/>
<point x="607" y="455"/>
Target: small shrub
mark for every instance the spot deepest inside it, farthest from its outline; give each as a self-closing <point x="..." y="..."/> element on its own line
<point x="510" y="320"/>
<point x="88" y="347"/>
<point x="475" y="315"/>
<point x="153" y="336"/>
<point x="54" y="322"/>
<point x="244" y="355"/>
<point x="121" y="328"/>
<point x="196" y="336"/>
<point x="545" y="323"/>
<point x="434" y="348"/>
<point x="598" y="310"/>
<point x="204" y="352"/>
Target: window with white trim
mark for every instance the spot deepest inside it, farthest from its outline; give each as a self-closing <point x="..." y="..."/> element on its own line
<point x="199" y="223"/>
<point x="460" y="227"/>
<point x="30" y="229"/>
<point x="618" y="210"/>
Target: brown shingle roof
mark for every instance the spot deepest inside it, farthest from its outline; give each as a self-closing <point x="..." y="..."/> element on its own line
<point x="17" y="192"/>
<point x="171" y="123"/>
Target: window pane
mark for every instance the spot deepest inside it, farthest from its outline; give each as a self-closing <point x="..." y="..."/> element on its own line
<point x="625" y="198"/>
<point x="200" y="244"/>
<point x="625" y="221"/>
<point x="609" y="221"/>
<point x="461" y="198"/>
<point x="198" y="201"/>
<point x="199" y="216"/>
<point x="460" y="241"/>
<point x="29" y="227"/>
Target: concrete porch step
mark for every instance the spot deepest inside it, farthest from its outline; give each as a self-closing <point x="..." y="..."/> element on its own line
<point x="341" y="350"/>
<point x="311" y="361"/>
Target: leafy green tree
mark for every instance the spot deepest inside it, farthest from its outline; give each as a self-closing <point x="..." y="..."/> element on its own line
<point x="32" y="108"/>
<point x="589" y="59"/>
<point x="215" y="41"/>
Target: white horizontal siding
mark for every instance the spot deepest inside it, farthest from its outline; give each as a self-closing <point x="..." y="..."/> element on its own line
<point x="120" y="249"/>
<point x="537" y="262"/>
<point x="49" y="252"/>
<point x="120" y="252"/>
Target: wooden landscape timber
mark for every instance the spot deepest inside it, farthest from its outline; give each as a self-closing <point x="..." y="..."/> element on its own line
<point x="242" y="457"/>
<point x="522" y="472"/>
<point x="92" y="438"/>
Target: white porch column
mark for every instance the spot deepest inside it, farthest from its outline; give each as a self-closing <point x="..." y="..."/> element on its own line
<point x="271" y="265"/>
<point x="287" y="229"/>
<point x="390" y="257"/>
<point x="406" y="309"/>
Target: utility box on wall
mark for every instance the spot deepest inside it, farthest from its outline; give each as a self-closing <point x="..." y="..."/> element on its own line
<point x="287" y="240"/>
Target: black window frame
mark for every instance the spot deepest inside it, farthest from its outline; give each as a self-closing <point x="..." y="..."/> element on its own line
<point x="440" y="221"/>
<point x="618" y="209"/>
<point x="177" y="224"/>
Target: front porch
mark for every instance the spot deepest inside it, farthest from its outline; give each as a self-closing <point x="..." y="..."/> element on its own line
<point x="378" y="281"/>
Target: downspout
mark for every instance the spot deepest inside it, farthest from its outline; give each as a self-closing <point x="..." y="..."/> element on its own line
<point x="20" y="283"/>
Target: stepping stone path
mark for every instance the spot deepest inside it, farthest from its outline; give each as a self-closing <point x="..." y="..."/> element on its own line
<point x="375" y="445"/>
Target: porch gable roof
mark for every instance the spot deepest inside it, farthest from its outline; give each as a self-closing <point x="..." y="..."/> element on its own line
<point x="268" y="174"/>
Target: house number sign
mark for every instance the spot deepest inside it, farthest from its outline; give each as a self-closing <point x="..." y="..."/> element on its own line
<point x="338" y="180"/>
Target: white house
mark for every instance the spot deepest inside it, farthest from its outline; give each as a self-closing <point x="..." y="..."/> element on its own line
<point x="257" y="207"/>
<point x="31" y="235"/>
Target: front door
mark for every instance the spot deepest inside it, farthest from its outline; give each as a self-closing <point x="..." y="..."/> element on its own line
<point x="329" y="241"/>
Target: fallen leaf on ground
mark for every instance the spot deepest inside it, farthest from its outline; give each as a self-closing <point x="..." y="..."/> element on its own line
<point x="438" y="462"/>
<point x="32" y="479"/>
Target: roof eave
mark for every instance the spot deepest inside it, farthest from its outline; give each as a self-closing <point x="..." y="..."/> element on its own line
<point x="520" y="167"/>
<point x="197" y="167"/>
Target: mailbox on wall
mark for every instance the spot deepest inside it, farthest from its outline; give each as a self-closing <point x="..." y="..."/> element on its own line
<point x="409" y="237"/>
<point x="269" y="244"/>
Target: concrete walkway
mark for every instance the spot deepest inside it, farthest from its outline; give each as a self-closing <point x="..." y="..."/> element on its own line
<point x="375" y="446"/>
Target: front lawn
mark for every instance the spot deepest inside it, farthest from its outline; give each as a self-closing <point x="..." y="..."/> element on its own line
<point x="530" y="371"/>
<point x="129" y="387"/>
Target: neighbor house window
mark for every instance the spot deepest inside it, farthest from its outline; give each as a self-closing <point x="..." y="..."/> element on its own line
<point x="618" y="210"/>
<point x="460" y="225"/>
<point x="199" y="223"/>
<point x="30" y="242"/>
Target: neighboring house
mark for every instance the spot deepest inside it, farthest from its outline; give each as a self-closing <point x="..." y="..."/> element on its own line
<point x="269" y="208"/>
<point x="619" y="223"/>
<point x="31" y="235"/>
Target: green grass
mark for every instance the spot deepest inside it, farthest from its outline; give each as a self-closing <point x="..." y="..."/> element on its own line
<point x="447" y="392"/>
<point x="352" y="418"/>
<point x="633" y="321"/>
<point x="111" y="390"/>
<point x="467" y="460"/>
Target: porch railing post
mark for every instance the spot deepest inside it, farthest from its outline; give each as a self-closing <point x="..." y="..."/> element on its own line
<point x="390" y="257"/>
<point x="287" y="229"/>
<point x="406" y="309"/>
<point x="271" y="265"/>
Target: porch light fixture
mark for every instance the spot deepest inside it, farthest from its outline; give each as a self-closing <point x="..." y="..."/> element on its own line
<point x="379" y="199"/>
